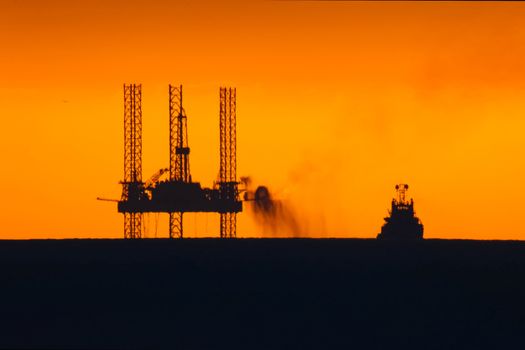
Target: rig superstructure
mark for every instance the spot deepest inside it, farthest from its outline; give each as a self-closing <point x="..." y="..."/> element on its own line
<point x="178" y="194"/>
<point x="402" y="222"/>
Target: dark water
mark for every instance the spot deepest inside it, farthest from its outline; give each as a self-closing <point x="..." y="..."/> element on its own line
<point x="262" y="294"/>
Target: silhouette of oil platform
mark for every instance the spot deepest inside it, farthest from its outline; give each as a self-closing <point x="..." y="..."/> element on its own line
<point x="402" y="224"/>
<point x="179" y="194"/>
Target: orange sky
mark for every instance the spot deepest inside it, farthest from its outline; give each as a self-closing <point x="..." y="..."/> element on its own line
<point x="337" y="102"/>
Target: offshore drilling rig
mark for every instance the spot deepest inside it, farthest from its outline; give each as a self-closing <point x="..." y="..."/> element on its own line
<point x="179" y="194"/>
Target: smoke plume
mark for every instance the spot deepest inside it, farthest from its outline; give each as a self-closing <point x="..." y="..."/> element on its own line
<point x="275" y="216"/>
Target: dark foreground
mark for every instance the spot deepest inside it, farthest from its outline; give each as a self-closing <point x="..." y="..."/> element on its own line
<point x="262" y="294"/>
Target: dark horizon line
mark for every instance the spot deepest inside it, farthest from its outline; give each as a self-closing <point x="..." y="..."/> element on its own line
<point x="253" y="238"/>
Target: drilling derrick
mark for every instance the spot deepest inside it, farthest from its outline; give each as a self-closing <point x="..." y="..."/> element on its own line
<point x="132" y="186"/>
<point x="179" y="152"/>
<point x="228" y="185"/>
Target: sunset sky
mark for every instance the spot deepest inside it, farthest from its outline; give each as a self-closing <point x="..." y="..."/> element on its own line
<point x="337" y="102"/>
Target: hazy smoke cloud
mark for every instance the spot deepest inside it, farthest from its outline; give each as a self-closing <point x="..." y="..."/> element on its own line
<point x="275" y="216"/>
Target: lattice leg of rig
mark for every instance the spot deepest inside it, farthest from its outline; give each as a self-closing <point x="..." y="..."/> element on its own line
<point x="228" y="225"/>
<point x="176" y="225"/>
<point x="132" y="225"/>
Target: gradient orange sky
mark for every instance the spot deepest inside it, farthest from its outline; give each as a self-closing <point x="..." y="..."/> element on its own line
<point x="337" y="102"/>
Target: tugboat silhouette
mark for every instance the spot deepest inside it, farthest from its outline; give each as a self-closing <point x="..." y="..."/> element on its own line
<point x="402" y="224"/>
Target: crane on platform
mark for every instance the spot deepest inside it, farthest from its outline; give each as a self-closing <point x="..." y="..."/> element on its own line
<point x="155" y="178"/>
